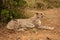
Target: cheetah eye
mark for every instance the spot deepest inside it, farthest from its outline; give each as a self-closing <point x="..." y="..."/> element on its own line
<point x="37" y="13"/>
<point x="41" y="14"/>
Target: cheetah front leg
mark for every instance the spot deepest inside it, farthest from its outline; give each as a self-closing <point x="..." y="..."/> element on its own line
<point x="38" y="25"/>
<point x="21" y="29"/>
<point x="46" y="27"/>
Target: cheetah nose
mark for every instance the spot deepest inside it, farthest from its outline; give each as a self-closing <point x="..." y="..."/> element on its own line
<point x="41" y="16"/>
<point x="37" y="17"/>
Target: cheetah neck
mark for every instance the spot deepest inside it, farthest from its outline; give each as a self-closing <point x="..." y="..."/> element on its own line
<point x="34" y="18"/>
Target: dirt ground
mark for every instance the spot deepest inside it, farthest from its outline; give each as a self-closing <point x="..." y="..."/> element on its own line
<point x="51" y="18"/>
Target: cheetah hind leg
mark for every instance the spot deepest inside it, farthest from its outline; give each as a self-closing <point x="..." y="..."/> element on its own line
<point x="21" y="29"/>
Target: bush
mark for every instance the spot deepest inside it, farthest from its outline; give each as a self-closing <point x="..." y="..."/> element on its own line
<point x="12" y="10"/>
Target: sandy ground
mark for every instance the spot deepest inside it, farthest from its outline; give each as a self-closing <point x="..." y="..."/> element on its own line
<point x="51" y="18"/>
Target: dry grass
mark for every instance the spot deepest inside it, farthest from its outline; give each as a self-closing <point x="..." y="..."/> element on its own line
<point x="51" y="19"/>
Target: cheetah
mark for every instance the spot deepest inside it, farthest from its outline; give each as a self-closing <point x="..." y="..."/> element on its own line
<point x="21" y="24"/>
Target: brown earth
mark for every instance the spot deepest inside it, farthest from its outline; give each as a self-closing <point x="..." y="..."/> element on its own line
<point x="51" y="18"/>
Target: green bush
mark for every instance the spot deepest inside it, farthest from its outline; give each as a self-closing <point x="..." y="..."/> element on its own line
<point x="13" y="10"/>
